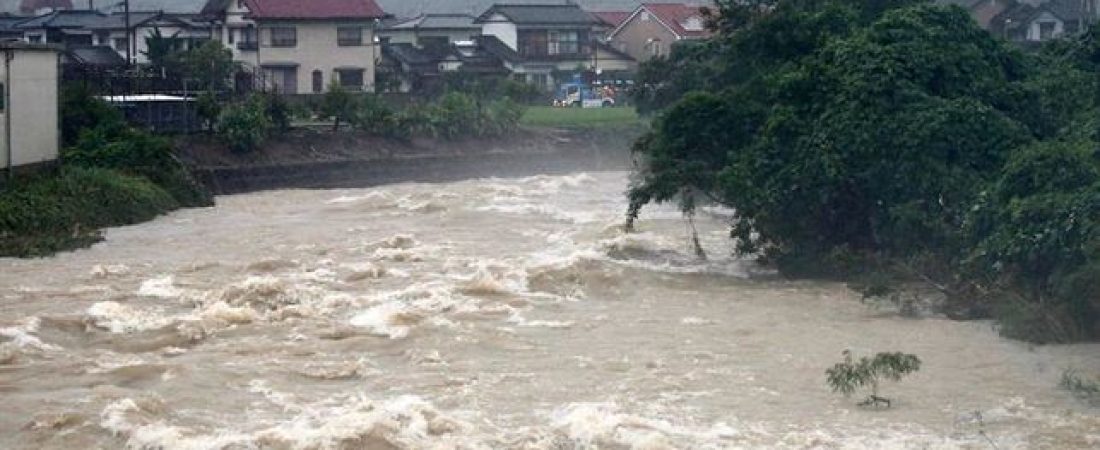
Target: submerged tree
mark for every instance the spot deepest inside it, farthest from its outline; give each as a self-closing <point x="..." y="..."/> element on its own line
<point x="848" y="376"/>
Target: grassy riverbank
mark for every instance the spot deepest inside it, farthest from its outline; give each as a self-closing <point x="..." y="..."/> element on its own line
<point x="546" y="116"/>
<point x="47" y="213"/>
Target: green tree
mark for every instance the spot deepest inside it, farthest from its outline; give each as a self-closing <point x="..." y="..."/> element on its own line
<point x="163" y="52"/>
<point x="862" y="137"/>
<point x="850" y="375"/>
<point x="211" y="65"/>
<point x="339" y="105"/>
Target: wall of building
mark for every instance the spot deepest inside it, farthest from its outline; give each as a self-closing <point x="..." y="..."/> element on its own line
<point x="33" y="108"/>
<point x="633" y="37"/>
<point x="317" y="49"/>
<point x="499" y="26"/>
<point x="141" y="34"/>
<point x="1033" y="29"/>
<point x="413" y="36"/>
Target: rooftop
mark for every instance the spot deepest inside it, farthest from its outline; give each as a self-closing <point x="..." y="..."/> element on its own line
<point x="683" y="19"/>
<point x="314" y="9"/>
<point x="436" y="22"/>
<point x="564" y="14"/>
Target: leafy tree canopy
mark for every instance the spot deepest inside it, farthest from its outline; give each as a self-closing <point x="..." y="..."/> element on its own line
<point x="845" y="130"/>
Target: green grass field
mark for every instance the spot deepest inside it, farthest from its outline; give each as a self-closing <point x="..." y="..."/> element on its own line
<point x="546" y="116"/>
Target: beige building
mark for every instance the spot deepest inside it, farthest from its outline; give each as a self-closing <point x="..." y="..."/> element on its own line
<point x="28" y="108"/>
<point x="302" y="47"/>
<point x="653" y="28"/>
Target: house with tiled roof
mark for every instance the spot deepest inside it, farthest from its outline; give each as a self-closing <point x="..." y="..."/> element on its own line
<point x="537" y="41"/>
<point x="302" y="47"/>
<point x="653" y="28"/>
<point x="80" y="29"/>
<point x="1033" y="21"/>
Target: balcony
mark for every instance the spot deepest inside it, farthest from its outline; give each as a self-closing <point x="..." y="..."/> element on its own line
<point x="248" y="46"/>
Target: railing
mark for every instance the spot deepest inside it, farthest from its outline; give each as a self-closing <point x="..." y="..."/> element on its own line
<point x="248" y="46"/>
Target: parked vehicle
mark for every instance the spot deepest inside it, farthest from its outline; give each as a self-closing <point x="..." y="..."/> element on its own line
<point x="580" y="95"/>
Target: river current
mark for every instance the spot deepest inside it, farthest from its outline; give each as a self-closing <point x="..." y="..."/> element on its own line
<point x="490" y="313"/>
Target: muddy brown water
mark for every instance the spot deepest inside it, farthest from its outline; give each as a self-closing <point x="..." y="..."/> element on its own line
<point x="490" y="313"/>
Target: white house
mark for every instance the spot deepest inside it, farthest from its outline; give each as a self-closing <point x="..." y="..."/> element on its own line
<point x="28" y="108"/>
<point x="535" y="41"/>
<point x="302" y="47"/>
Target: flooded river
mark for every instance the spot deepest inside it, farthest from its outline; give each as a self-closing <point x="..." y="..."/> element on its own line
<point x="493" y="313"/>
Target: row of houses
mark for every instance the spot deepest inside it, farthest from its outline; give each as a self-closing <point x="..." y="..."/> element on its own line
<point x="303" y="47"/>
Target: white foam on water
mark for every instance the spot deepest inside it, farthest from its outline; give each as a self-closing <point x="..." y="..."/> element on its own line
<point x="119" y="318"/>
<point x="518" y="320"/>
<point x="109" y="270"/>
<point x="21" y="339"/>
<point x="351" y="421"/>
<point x="160" y="287"/>
<point x="397" y="313"/>
<point x="695" y="321"/>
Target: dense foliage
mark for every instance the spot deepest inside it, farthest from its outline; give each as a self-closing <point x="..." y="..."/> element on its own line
<point x="857" y="136"/>
<point x="111" y="174"/>
<point x="245" y="125"/>
<point x="46" y="214"/>
<point x="454" y="115"/>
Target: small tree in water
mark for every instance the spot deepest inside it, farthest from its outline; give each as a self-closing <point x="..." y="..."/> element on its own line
<point x="847" y="376"/>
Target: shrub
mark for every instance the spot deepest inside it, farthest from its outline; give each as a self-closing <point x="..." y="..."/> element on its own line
<point x="137" y="152"/>
<point x="1087" y="388"/>
<point x="457" y="114"/>
<point x="278" y="111"/>
<point x="49" y="213"/>
<point x="208" y="108"/>
<point x="339" y="105"/>
<point x="375" y="116"/>
<point x="244" y="126"/>
<point x="81" y="110"/>
<point x="849" y="375"/>
<point x="501" y="117"/>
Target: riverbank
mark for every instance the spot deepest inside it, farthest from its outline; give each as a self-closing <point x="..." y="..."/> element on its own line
<point x="319" y="158"/>
<point x="53" y="212"/>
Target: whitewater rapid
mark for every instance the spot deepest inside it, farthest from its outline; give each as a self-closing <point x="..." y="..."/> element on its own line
<point x="491" y="313"/>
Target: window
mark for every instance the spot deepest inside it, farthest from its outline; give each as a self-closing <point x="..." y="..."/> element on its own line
<point x="232" y="36"/>
<point x="247" y="40"/>
<point x="351" y="79"/>
<point x="34" y="38"/>
<point x="120" y="44"/>
<point x="318" y="82"/>
<point x="693" y="24"/>
<point x="284" y="37"/>
<point x="532" y="42"/>
<point x="349" y="36"/>
<point x="540" y="79"/>
<point x="645" y="16"/>
<point x="654" y="46"/>
<point x="564" y="43"/>
<point x="2" y="97"/>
